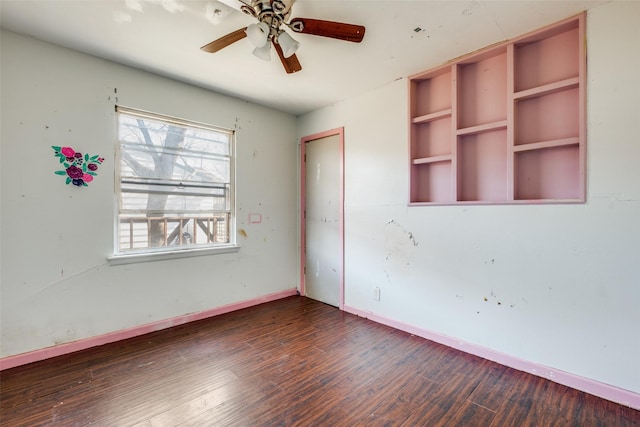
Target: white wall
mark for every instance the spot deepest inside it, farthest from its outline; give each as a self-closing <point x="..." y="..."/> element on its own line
<point x="56" y="284"/>
<point x="561" y="282"/>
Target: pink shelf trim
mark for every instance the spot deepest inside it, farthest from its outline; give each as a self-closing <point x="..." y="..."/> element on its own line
<point x="83" y="344"/>
<point x="596" y="388"/>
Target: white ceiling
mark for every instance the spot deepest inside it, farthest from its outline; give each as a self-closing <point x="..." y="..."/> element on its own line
<point x="164" y="36"/>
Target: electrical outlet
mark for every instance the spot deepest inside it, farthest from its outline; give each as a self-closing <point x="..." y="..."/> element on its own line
<point x="376" y="293"/>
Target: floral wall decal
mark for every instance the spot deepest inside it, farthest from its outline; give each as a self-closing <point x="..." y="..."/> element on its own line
<point x="78" y="168"/>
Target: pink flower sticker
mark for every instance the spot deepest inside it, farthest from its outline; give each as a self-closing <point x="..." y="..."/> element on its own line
<point x="79" y="169"/>
<point x="68" y="151"/>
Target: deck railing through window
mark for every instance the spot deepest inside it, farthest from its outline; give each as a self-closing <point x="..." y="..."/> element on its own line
<point x="137" y="232"/>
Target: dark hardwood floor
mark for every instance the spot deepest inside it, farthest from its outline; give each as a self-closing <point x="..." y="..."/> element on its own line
<point x="292" y="362"/>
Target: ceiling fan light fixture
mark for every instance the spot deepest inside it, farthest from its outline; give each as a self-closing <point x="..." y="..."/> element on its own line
<point x="263" y="52"/>
<point x="258" y="34"/>
<point x="288" y="44"/>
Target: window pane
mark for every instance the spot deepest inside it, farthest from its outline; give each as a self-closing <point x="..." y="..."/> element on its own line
<point x="176" y="203"/>
<point x="141" y="232"/>
<point x="174" y="165"/>
<point x="175" y="183"/>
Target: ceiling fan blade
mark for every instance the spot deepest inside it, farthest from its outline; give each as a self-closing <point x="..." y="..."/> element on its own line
<point x="291" y="64"/>
<point x="334" y="30"/>
<point x="225" y="41"/>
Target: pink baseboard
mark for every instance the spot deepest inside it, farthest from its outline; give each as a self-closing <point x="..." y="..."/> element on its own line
<point x="605" y="391"/>
<point x="83" y="344"/>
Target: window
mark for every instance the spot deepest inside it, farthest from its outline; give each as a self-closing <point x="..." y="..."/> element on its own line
<point x="175" y="185"/>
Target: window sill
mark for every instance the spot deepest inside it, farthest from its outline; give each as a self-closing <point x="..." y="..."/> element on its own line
<point x="132" y="258"/>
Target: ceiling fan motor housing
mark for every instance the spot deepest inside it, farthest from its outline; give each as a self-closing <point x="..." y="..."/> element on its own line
<point x="266" y="8"/>
<point x="273" y="13"/>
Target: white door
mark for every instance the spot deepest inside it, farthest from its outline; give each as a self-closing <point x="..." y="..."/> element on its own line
<point x="323" y="198"/>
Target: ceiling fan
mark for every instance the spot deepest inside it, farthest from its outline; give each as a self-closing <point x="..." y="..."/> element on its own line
<point x="272" y="15"/>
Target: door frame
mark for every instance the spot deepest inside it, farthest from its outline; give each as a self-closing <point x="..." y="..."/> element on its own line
<point x="339" y="132"/>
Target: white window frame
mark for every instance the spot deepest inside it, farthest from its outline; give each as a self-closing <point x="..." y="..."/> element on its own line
<point x="171" y="252"/>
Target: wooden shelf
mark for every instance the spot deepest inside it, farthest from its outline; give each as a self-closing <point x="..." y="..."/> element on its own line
<point x="547" y="144"/>
<point x="488" y="127"/>
<point x="504" y="125"/>
<point x="433" y="116"/>
<point x="435" y="159"/>
<point x="547" y="89"/>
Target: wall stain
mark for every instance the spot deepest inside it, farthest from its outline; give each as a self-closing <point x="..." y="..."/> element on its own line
<point x="399" y="247"/>
<point x="485" y="299"/>
<point x="243" y="232"/>
<point x="469" y="11"/>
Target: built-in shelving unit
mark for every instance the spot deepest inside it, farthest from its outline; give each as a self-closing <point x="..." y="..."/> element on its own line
<point x="503" y="125"/>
